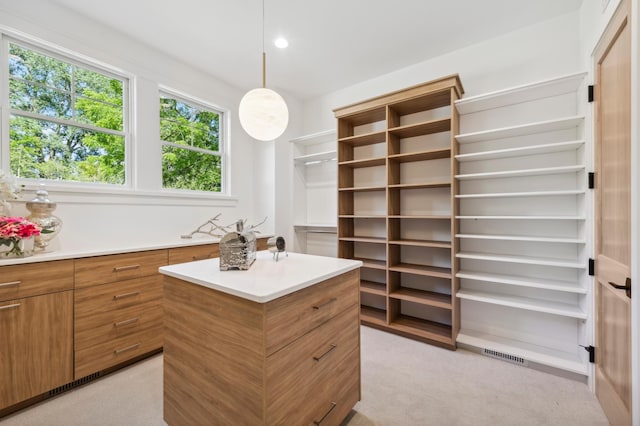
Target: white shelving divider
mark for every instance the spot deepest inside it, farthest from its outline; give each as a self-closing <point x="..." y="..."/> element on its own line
<point x="314" y="193"/>
<point x="525" y="224"/>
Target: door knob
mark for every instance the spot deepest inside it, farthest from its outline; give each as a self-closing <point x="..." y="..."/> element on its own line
<point x="626" y="287"/>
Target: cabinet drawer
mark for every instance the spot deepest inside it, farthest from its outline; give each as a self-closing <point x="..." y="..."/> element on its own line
<point x="116" y="351"/>
<point x="291" y="316"/>
<point x="32" y="279"/>
<point x="107" y="269"/>
<point x="92" y="301"/>
<point x="192" y="253"/>
<point x="298" y="372"/>
<point x="107" y="326"/>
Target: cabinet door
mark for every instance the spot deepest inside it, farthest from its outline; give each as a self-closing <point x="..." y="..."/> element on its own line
<point x="37" y="343"/>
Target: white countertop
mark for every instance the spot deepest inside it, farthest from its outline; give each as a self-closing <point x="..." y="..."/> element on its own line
<point x="266" y="279"/>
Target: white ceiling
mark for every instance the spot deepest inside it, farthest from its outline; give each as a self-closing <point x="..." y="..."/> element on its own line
<point x="332" y="43"/>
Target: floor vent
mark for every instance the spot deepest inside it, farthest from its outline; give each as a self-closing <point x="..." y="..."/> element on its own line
<point x="74" y="384"/>
<point x="505" y="357"/>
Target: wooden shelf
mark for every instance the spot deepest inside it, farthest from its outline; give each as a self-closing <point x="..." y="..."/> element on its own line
<point x="429" y="271"/>
<point x="365" y="139"/>
<point x="538" y="354"/>
<point x="521" y="130"/>
<point x="522" y="238"/>
<point x="528" y="260"/>
<point x="363" y="189"/>
<point x="521" y="152"/>
<point x="371" y="287"/>
<point x="422" y="217"/>
<point x="428" y="298"/>
<point x="420" y="185"/>
<point x="529" y="304"/>
<point x="425" y="329"/>
<point x="422" y="103"/>
<point x="369" y="162"/>
<point x="523" y="194"/>
<point x="317" y="158"/>
<point x="541" y="283"/>
<point x="372" y="263"/>
<point x="420" y="129"/>
<point x="372" y="240"/>
<point x="518" y="94"/>
<point x="373" y="316"/>
<point x="521" y="217"/>
<point x="422" y="243"/>
<point x="421" y="155"/>
<point x="520" y="173"/>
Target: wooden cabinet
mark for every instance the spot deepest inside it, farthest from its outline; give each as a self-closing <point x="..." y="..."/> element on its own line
<point x="293" y="360"/>
<point x="118" y="309"/>
<point x="397" y="210"/>
<point x="36" y="353"/>
<point x="193" y="253"/>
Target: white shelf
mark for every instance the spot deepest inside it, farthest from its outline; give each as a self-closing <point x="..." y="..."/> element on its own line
<point x="517" y="280"/>
<point x="317" y="158"/>
<point x="522" y="238"/>
<point x="316" y="228"/>
<point x="519" y="94"/>
<point x="316" y="138"/>
<point x="522" y="194"/>
<point x="519" y="173"/>
<point x="529" y="304"/>
<point x="521" y="217"/>
<point x="521" y="151"/>
<point x="538" y="354"/>
<point x="528" y="260"/>
<point x="521" y="130"/>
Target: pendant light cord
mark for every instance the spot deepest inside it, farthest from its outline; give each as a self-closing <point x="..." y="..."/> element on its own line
<point x="264" y="55"/>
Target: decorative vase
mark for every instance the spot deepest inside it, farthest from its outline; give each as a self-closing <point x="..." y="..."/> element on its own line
<point x="41" y="214"/>
<point x="14" y="247"/>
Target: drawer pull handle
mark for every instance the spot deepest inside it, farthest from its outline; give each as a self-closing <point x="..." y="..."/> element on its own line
<point x="15" y="305"/>
<point x="328" y="302"/>
<point x="319" y="422"/>
<point x="126" y="322"/>
<point x="318" y="358"/>
<point x="9" y="284"/>
<point x="125" y="268"/>
<point x="203" y="257"/>
<point x="123" y="296"/>
<point x="128" y="348"/>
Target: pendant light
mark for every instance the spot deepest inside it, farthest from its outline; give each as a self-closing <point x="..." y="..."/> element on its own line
<point x="263" y="113"/>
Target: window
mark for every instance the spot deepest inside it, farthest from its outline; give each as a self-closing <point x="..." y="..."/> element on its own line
<point x="67" y="120"/>
<point x="192" y="145"/>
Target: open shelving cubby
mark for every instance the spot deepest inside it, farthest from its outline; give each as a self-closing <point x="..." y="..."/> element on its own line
<point x="524" y="217"/>
<point x="396" y="209"/>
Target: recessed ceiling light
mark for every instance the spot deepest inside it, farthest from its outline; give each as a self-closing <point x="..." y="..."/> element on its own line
<point x="281" y="42"/>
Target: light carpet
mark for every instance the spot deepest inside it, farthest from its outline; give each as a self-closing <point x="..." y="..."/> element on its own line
<point x="404" y="383"/>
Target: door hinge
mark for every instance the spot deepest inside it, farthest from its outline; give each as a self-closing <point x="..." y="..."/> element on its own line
<point x="592" y="267"/>
<point x="591" y="177"/>
<point x="590" y="93"/>
<point x="592" y="353"/>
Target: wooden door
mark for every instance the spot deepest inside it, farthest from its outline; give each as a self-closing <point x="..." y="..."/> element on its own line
<point x="613" y="218"/>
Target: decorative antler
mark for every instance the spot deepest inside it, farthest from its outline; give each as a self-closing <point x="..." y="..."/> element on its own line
<point x="211" y="230"/>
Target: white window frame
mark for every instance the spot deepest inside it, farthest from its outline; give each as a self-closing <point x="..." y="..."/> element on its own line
<point x="223" y="138"/>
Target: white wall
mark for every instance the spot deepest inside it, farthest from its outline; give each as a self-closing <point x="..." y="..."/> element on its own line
<point x="130" y="217"/>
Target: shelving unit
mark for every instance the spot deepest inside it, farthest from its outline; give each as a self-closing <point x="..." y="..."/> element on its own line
<point x="314" y="167"/>
<point x="396" y="210"/>
<point x="525" y="216"/>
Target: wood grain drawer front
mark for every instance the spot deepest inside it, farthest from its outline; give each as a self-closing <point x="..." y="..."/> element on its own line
<point x="193" y="253"/>
<point x="17" y="281"/>
<point x="108" y="326"/>
<point x="291" y="316"/>
<point x="301" y="369"/>
<point x="90" y="302"/>
<point x="116" y="351"/>
<point x="107" y="269"/>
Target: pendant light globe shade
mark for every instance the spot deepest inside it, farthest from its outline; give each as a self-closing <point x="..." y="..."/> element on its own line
<point x="263" y="114"/>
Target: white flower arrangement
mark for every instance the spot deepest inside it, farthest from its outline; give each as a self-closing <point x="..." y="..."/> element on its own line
<point x="9" y="190"/>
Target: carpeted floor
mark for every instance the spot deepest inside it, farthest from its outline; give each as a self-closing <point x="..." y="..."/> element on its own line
<point x="404" y="383"/>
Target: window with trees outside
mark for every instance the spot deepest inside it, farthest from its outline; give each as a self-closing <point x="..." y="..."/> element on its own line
<point x="192" y="145"/>
<point x="67" y="120"/>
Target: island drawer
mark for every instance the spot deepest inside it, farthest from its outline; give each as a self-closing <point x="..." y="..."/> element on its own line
<point x="117" y="267"/>
<point x="116" y="351"/>
<point x="193" y="253"/>
<point x="297" y="373"/>
<point x="32" y="279"/>
<point x="91" y="301"/>
<point x="291" y="316"/>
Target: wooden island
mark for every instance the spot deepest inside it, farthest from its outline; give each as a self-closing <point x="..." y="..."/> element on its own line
<point x="277" y="344"/>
